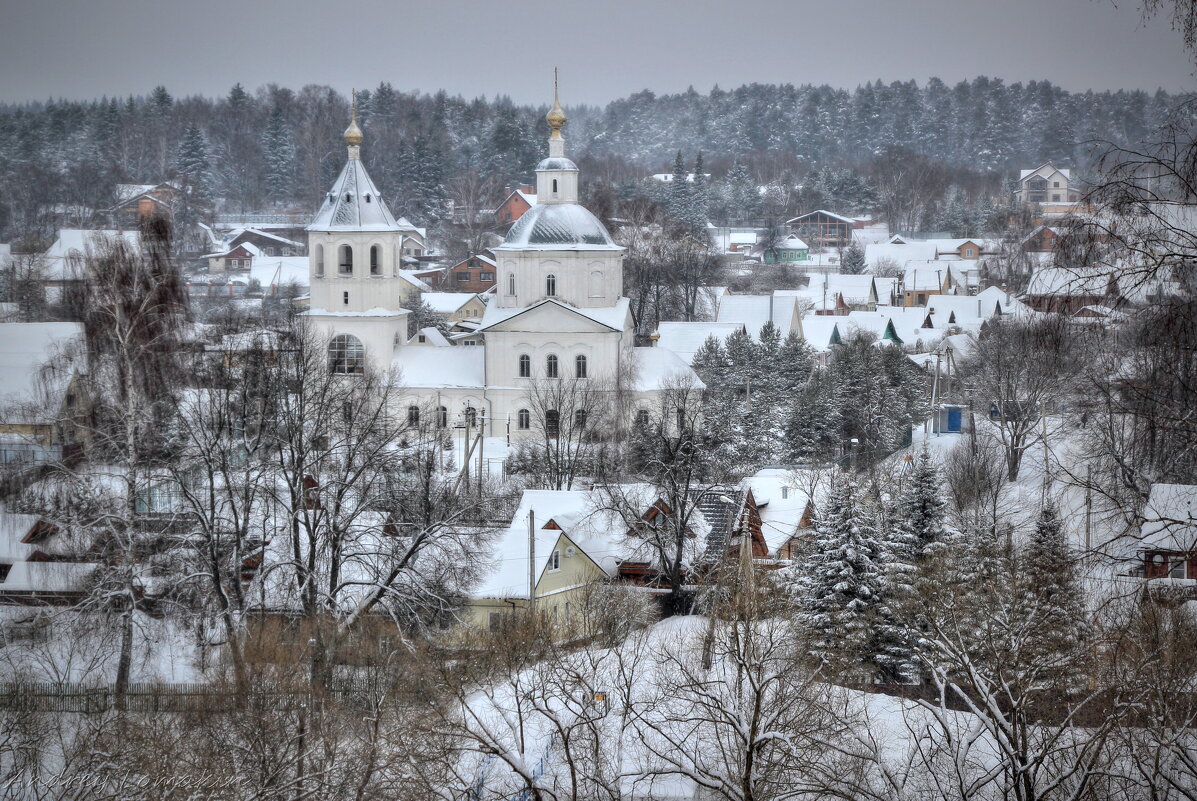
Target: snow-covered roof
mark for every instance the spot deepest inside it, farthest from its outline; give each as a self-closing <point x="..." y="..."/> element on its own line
<point x="886" y="285"/>
<point x="1064" y="281"/>
<point x="447" y="302"/>
<point x="126" y="192"/>
<point x="820" y="211"/>
<point x="661" y="368"/>
<point x="1170" y="517"/>
<point x="279" y="270"/>
<point x="248" y="247"/>
<point x="38" y="576"/>
<point x="587" y="517"/>
<point x="25" y="348"/>
<point x="431" y="368"/>
<point x="925" y="276"/>
<point x="558" y="226"/>
<point x="853" y="288"/>
<point x="963" y="309"/>
<point x="432" y="337"/>
<point x="1065" y="171"/>
<point x="413" y="277"/>
<point x="900" y="253"/>
<point x="76" y="242"/>
<point x="249" y="340"/>
<point x="685" y="338"/>
<point x="821" y="331"/>
<point x="781" y="503"/>
<point x="753" y="311"/>
<point x="232" y="235"/>
<point x="612" y="317"/>
<point x="354" y="204"/>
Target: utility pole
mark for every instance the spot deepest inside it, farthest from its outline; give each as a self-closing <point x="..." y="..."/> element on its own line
<point x="531" y="562"/>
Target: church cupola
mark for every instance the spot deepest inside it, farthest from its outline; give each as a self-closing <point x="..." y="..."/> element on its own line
<point x="556" y="176"/>
<point x="353" y="134"/>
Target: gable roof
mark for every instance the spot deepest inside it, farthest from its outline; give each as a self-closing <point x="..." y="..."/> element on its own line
<point x="28" y="393"/>
<point x="1064" y="282"/>
<point x="686" y="338"/>
<point x="753" y="311"/>
<point x="447" y="302"/>
<point x="612" y="317"/>
<point x="840" y="217"/>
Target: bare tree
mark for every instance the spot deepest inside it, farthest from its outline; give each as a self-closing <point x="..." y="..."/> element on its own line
<point x="1020" y="371"/>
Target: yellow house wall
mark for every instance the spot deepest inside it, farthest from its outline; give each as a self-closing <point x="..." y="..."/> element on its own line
<point x="558" y="592"/>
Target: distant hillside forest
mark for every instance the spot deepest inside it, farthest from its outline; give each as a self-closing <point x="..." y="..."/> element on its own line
<point x="280" y="149"/>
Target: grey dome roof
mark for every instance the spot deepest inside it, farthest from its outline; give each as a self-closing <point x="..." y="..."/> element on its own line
<point x="556" y="163"/>
<point x="558" y="226"/>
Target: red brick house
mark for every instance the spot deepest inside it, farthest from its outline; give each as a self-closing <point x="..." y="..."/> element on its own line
<point x="515" y="204"/>
<point x="1041" y="240"/>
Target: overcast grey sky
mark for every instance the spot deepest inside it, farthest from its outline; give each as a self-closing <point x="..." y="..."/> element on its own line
<point x="88" y="48"/>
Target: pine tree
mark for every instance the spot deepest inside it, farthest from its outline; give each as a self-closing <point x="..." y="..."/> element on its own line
<point x="842" y="583"/>
<point x="192" y="163"/>
<point x="853" y="261"/>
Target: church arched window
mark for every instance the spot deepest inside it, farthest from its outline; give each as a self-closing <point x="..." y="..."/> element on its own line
<point x="580" y="418"/>
<point x="523" y="419"/>
<point x="550" y="285"/>
<point x="552" y="422"/>
<point x="580" y="366"/>
<point x="550" y="366"/>
<point x="442" y="417"/>
<point x="345" y="260"/>
<point x="375" y="260"/>
<point x="413" y="415"/>
<point x="525" y="366"/>
<point x="596" y="284"/>
<point x="471" y="417"/>
<point x="510" y="283"/>
<point x="346" y="356"/>
<point x="320" y="260"/>
<point x="554" y="186"/>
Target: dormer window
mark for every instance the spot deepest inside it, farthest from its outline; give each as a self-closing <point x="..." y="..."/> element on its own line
<point x="367" y="198"/>
<point x="348" y="197"/>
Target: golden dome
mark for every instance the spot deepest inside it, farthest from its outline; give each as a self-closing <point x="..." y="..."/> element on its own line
<point x="353" y="134"/>
<point x="556" y="116"/>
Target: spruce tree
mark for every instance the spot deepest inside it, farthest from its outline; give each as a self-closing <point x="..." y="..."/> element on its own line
<point x="679" y="191"/>
<point x="853" y="261"/>
<point x="700" y="201"/>
<point x="920" y="512"/>
<point x="192" y="163"/>
<point x="842" y="583"/>
<point x="1052" y="591"/>
<point x="278" y="148"/>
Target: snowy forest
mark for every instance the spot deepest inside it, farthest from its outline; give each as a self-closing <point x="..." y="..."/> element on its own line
<point x="272" y="149"/>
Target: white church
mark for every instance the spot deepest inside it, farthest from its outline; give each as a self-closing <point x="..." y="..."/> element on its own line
<point x="558" y="313"/>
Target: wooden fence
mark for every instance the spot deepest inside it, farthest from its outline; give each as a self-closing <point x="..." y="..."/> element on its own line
<point x="182" y="697"/>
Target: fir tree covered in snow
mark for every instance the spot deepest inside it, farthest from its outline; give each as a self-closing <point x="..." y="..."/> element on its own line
<point x="853" y="261"/>
<point x="920" y="512"/>
<point x="278" y="149"/>
<point x="842" y="582"/>
<point x="1052" y="590"/>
